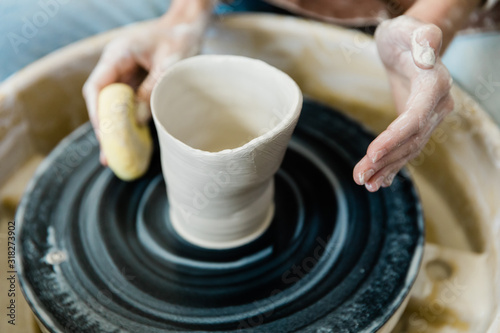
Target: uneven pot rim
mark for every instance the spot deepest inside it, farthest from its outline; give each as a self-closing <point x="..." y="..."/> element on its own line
<point x="288" y="120"/>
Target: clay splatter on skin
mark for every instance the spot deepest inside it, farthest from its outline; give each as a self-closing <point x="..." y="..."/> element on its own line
<point x="422" y="51"/>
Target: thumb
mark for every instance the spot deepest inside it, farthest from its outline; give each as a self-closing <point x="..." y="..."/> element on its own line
<point x="426" y="43"/>
<point x="143" y="113"/>
<point x="146" y="88"/>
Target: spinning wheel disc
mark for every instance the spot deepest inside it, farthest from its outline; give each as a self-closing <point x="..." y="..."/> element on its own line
<point x="98" y="254"/>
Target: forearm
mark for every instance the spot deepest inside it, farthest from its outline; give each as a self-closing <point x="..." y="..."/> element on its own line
<point x="187" y="11"/>
<point x="448" y="15"/>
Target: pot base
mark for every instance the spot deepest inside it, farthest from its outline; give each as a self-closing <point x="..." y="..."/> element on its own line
<point x="99" y="255"/>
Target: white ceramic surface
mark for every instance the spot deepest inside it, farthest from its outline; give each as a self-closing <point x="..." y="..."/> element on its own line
<point x="223" y="124"/>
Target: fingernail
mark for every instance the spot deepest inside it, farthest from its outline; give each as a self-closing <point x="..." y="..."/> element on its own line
<point x="102" y="159"/>
<point x="142" y="113"/>
<point x="366" y="176"/>
<point x="373" y="187"/>
<point x="421" y="50"/>
<point x="378" y="155"/>
<point x="428" y="57"/>
<point x="388" y="180"/>
<point x="434" y="117"/>
<point x="379" y="182"/>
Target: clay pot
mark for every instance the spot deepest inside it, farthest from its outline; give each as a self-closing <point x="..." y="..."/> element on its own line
<point x="223" y="125"/>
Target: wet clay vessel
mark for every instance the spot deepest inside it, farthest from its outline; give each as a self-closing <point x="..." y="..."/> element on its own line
<point x="223" y="125"/>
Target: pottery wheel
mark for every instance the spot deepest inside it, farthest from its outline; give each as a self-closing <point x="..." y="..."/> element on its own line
<point x="99" y="255"/>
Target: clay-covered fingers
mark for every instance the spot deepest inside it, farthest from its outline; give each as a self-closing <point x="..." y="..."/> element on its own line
<point x="388" y="167"/>
<point x="115" y="65"/>
<point x="366" y="168"/>
<point x="421" y="109"/>
<point x="405" y="137"/>
<point x="405" y="34"/>
<point x="385" y="176"/>
<point x="380" y="173"/>
<point x="426" y="43"/>
<point x="144" y="94"/>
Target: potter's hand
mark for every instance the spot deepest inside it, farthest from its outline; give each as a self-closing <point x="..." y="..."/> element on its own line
<point x="421" y="86"/>
<point x="140" y="59"/>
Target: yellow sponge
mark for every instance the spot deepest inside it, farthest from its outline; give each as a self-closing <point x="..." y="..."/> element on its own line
<point x="127" y="145"/>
